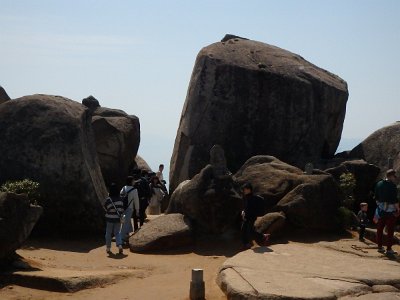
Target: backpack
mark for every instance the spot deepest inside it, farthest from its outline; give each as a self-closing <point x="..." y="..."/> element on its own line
<point x="143" y="188"/>
<point x="125" y="197"/>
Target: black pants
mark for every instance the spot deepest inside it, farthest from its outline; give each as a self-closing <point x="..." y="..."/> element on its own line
<point x="362" y="231"/>
<point x="143" y="203"/>
<point x="135" y="220"/>
<point x="249" y="233"/>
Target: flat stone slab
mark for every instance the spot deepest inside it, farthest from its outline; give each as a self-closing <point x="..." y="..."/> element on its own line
<point x="61" y="280"/>
<point x="307" y="271"/>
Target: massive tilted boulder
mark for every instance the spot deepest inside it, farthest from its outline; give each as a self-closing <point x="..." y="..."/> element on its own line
<point x="17" y="218"/>
<point x="49" y="139"/>
<point x="380" y="147"/>
<point x="308" y="201"/>
<point x="253" y="98"/>
<point x="163" y="233"/>
<point x="3" y="95"/>
<point x="209" y="200"/>
<point x="117" y="137"/>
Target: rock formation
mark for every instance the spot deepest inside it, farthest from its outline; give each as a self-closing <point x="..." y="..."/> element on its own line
<point x="323" y="271"/>
<point x="49" y="139"/>
<point x="308" y="201"/>
<point x="17" y="218"/>
<point x="381" y="148"/>
<point x="117" y="137"/>
<point x="140" y="163"/>
<point x="163" y="233"/>
<point x="210" y="201"/>
<point x="253" y="98"/>
<point x="3" y="95"/>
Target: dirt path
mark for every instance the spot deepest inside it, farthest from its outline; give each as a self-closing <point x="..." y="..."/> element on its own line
<point x="156" y="276"/>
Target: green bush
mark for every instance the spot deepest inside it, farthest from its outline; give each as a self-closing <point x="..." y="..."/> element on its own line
<point x="26" y="186"/>
<point x="345" y="218"/>
<point x="347" y="184"/>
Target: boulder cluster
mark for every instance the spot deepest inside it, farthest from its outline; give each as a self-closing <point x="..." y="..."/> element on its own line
<point x="253" y="113"/>
<point x="72" y="150"/>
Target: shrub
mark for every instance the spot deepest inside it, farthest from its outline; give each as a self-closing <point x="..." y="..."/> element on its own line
<point x="26" y="186"/>
<point x="345" y="218"/>
<point x="347" y="184"/>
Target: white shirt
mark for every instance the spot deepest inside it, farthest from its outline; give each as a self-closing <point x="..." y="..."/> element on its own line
<point x="160" y="175"/>
<point x="133" y="197"/>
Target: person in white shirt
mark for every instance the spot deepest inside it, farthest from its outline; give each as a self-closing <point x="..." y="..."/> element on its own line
<point x="160" y="172"/>
<point x="157" y="196"/>
<point x="132" y="207"/>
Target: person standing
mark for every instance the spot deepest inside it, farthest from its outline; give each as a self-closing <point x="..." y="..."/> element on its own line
<point x="362" y="220"/>
<point x="157" y="196"/>
<point x="114" y="208"/>
<point x="143" y="186"/>
<point x="131" y="194"/>
<point x="253" y="207"/>
<point x="159" y="173"/>
<point x="387" y="210"/>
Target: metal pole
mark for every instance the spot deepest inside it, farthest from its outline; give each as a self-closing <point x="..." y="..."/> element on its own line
<point x="197" y="289"/>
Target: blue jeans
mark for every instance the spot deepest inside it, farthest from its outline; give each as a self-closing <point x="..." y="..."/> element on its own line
<point x="113" y="228"/>
<point x="127" y="226"/>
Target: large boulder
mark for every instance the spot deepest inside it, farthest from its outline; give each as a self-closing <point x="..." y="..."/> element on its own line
<point x="141" y="164"/>
<point x="253" y="98"/>
<point x="49" y="139"/>
<point x="381" y="147"/>
<point x="117" y="137"/>
<point x="163" y="233"/>
<point x="308" y="201"/>
<point x="211" y="201"/>
<point x="3" y="95"/>
<point x="17" y="218"/>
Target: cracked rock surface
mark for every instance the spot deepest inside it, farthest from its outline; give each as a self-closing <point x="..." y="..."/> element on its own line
<point x="323" y="270"/>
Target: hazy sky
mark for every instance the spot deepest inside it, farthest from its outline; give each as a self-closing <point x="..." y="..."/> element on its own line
<point x="138" y="55"/>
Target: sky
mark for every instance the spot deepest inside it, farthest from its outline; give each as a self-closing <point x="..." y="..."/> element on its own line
<point x="138" y="55"/>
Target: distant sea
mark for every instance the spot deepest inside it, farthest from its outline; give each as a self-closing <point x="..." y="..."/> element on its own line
<point x="348" y="144"/>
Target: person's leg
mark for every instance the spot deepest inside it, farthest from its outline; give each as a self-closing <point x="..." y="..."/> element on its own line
<point x="362" y="232"/>
<point x="108" y="236"/>
<point x="390" y="224"/>
<point x="135" y="221"/>
<point x="245" y="236"/>
<point x="260" y="238"/>
<point x="379" y="231"/>
<point x="126" y="228"/>
<point x="117" y="234"/>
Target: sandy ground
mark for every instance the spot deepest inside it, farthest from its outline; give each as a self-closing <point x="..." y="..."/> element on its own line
<point x="157" y="276"/>
<point x="164" y="275"/>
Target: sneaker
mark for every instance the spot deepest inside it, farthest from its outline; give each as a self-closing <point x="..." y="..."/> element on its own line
<point x="121" y="250"/>
<point x="391" y="252"/>
<point x="108" y="251"/>
<point x="381" y="250"/>
<point x="266" y="239"/>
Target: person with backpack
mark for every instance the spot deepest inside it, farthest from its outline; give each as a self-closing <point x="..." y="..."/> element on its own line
<point x="114" y="208"/>
<point x="130" y="198"/>
<point x="143" y="187"/>
<point x="253" y="207"/>
<point x="387" y="210"/>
